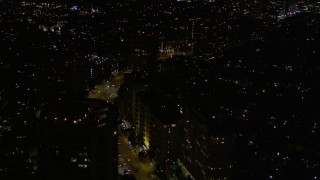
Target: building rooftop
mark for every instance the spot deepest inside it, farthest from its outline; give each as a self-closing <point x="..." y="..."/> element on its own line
<point x="162" y="107"/>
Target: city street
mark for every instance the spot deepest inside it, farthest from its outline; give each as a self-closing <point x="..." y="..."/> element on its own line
<point x="108" y="90"/>
<point x="128" y="159"/>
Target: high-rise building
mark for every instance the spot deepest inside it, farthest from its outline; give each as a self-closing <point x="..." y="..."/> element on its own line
<point x="133" y="82"/>
<point x="78" y="140"/>
<point x="208" y="140"/>
<point x="157" y="120"/>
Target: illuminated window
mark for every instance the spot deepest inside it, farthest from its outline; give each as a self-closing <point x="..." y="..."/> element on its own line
<point x="73" y="160"/>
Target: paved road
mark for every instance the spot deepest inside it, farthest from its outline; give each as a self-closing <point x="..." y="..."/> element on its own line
<point x="108" y="90"/>
<point x="129" y="159"/>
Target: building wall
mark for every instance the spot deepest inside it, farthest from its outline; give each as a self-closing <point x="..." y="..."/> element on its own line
<point x="157" y="134"/>
<point x="205" y="154"/>
<point x="164" y="139"/>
